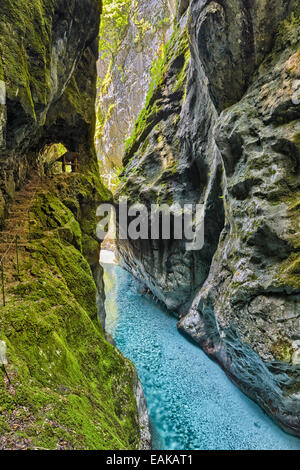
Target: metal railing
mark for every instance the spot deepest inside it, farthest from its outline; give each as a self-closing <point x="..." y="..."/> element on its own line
<point x="14" y="243"/>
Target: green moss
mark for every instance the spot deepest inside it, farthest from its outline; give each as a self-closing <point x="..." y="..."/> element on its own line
<point x="282" y="350"/>
<point x="296" y="139"/>
<point x="82" y="186"/>
<point x="69" y="387"/>
<point x="48" y="211"/>
<point x="182" y="75"/>
<point x="25" y="29"/>
<point x="82" y="194"/>
<point x="114" y="22"/>
<point x="102" y="119"/>
<point x="288" y="32"/>
<point x="142" y="26"/>
<point x="294" y="267"/>
<point x="176" y="47"/>
<point x="4" y="428"/>
<point x="288" y="272"/>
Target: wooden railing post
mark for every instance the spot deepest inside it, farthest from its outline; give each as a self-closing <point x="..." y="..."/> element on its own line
<point x="17" y="255"/>
<point x="3" y="285"/>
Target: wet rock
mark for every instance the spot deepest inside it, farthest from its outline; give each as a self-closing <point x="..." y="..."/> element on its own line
<point x="228" y="137"/>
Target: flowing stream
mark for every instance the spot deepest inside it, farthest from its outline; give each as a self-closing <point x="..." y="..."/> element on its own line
<point x="192" y="404"/>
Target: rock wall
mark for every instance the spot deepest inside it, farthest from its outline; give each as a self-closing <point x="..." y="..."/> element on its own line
<point x="67" y="388"/>
<point x="221" y="128"/>
<point x="130" y="38"/>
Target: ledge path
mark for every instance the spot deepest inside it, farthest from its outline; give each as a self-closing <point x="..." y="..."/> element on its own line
<point x="17" y="224"/>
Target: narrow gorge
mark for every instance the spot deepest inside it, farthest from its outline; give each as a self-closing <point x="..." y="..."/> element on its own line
<point x="164" y="344"/>
<point x="63" y="385"/>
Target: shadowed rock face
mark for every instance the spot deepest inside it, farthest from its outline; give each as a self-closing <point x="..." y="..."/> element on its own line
<point x="45" y="47"/>
<point x="231" y="39"/>
<point x="68" y="388"/>
<point x="227" y="136"/>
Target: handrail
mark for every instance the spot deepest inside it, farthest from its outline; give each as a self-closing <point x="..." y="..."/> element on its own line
<point x="7" y="251"/>
<point x="15" y="241"/>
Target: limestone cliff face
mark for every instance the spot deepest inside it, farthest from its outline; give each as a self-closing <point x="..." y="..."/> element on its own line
<point x="67" y="388"/>
<point x="124" y="69"/>
<point x="221" y="128"/>
<point x="43" y="44"/>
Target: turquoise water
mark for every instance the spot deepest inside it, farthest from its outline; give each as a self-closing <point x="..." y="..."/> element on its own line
<point x="192" y="404"/>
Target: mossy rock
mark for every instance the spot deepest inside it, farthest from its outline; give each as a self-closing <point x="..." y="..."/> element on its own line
<point x="69" y="387"/>
<point x="282" y="350"/>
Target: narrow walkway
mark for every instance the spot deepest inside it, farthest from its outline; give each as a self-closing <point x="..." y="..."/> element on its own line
<point x="17" y="227"/>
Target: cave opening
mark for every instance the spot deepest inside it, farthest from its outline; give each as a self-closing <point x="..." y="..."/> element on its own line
<point x="56" y="159"/>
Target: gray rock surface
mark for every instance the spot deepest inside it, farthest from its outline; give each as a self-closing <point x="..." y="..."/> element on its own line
<point x="145" y="433"/>
<point x="222" y="129"/>
<point x="45" y="98"/>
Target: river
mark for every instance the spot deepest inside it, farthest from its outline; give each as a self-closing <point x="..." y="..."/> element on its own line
<point x="191" y="402"/>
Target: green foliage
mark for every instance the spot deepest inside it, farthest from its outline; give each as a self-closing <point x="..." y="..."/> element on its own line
<point x="114" y="22"/>
<point x="178" y="45"/>
<point x="102" y="119"/>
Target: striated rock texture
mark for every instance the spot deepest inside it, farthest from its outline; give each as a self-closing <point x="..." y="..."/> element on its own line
<point x="222" y="129"/>
<point x="68" y="388"/>
<point x="131" y="35"/>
